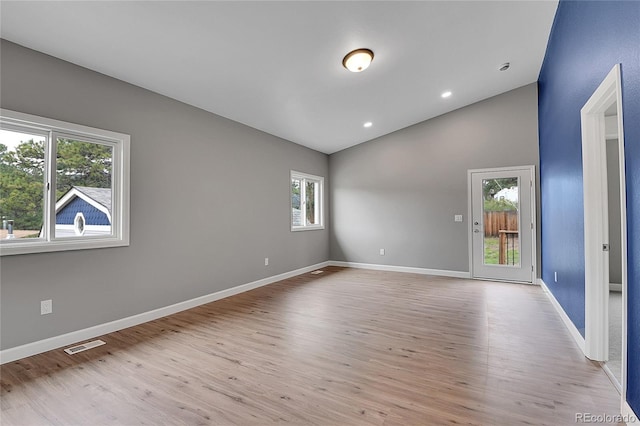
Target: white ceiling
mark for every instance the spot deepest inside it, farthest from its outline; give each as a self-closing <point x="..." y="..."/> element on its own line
<point x="277" y="65"/>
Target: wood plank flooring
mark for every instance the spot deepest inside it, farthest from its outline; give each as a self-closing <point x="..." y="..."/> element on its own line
<point x="346" y="347"/>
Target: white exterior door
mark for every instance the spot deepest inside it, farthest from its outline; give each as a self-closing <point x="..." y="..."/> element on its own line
<point x="502" y="223"/>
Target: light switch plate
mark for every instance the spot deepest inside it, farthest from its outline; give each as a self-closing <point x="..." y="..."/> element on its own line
<point x="457" y="218"/>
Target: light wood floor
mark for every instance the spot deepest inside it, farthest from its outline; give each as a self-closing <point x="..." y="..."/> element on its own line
<point x="347" y="347"/>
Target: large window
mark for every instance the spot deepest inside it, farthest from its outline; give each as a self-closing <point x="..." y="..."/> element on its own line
<point x="306" y="201"/>
<point x="62" y="186"/>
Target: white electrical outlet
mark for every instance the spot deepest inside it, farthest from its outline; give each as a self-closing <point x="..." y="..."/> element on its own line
<point x="457" y="218"/>
<point x="381" y="252"/>
<point x="46" y="307"/>
<point x="555" y="276"/>
<point x="266" y="261"/>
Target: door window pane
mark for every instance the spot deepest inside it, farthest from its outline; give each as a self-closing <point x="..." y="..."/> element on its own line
<point x="501" y="217"/>
<point x="84" y="172"/>
<point x="21" y="184"/>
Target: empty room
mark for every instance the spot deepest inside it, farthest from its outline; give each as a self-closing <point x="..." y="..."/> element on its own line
<point x="319" y="212"/>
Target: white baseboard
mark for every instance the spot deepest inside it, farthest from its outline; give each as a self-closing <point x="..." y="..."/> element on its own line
<point x="73" y="337"/>
<point x="408" y="269"/>
<point x="628" y="415"/>
<point x="565" y="318"/>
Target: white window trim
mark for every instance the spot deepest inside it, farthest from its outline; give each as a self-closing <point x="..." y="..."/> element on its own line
<point x="52" y="129"/>
<point x="306" y="176"/>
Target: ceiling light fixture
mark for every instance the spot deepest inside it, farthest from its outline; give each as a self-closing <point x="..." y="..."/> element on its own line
<point x="367" y="124"/>
<point x="504" y="66"/>
<point x="358" y="60"/>
<point x="446" y="94"/>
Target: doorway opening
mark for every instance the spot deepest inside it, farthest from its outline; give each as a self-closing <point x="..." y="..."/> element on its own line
<point x="614" y="360"/>
<point x="605" y="229"/>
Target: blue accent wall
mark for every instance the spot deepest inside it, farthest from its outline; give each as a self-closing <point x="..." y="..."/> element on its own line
<point x="587" y="39"/>
<point x="92" y="216"/>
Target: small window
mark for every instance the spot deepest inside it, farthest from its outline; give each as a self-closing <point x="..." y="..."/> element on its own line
<point x="62" y="186"/>
<point x="79" y="224"/>
<point x="306" y="202"/>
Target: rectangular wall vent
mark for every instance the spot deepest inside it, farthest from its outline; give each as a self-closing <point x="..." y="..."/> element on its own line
<point x="85" y="346"/>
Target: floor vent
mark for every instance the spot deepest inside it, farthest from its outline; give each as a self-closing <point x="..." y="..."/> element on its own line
<point x="85" y="346"/>
<point x="317" y="272"/>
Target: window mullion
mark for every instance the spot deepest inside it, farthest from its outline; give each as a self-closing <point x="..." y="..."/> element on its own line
<point x="50" y="187"/>
<point x="303" y="201"/>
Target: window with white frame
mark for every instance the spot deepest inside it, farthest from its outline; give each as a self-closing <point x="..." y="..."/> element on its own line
<point x="306" y="201"/>
<point x="63" y="186"/>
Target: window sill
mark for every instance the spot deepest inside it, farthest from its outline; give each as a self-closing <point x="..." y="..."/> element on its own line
<point x="30" y="247"/>
<point x="307" y="228"/>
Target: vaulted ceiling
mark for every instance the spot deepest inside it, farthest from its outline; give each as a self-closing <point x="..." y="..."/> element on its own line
<point x="277" y="65"/>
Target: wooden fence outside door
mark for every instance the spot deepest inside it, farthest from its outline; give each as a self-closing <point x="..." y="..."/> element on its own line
<point x="503" y="225"/>
<point x="494" y="222"/>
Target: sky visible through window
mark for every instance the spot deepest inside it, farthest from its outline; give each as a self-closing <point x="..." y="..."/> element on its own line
<point x="12" y="139"/>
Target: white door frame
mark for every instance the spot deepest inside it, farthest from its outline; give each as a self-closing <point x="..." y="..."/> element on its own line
<point x="534" y="255"/>
<point x="596" y="220"/>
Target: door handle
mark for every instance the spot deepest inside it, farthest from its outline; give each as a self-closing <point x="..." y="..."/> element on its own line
<point x="476" y="230"/>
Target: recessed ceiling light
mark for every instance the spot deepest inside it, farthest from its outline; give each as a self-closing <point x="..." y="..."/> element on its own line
<point x="504" y="66"/>
<point x="446" y="94"/>
<point x="358" y="60"/>
<point x="368" y="124"/>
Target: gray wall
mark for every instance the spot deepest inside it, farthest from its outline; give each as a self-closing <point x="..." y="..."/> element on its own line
<point x="401" y="191"/>
<point x="209" y="201"/>
<point x="613" y="193"/>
